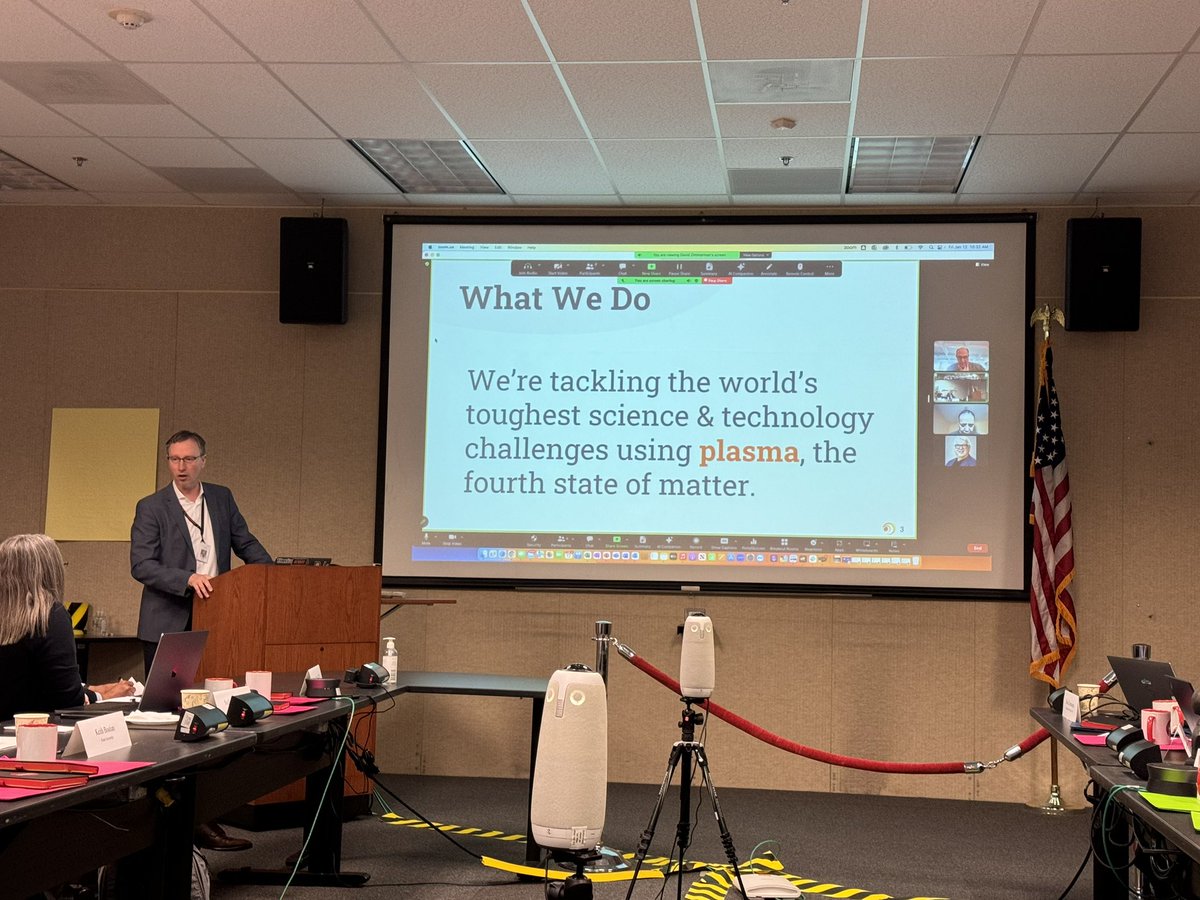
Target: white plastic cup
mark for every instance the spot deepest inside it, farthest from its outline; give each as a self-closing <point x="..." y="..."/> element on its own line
<point x="218" y="684"/>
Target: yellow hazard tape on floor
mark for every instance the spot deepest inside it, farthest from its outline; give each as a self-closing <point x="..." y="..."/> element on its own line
<point x="713" y="884"/>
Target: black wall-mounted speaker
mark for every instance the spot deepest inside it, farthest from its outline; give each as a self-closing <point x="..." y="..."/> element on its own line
<point x="312" y="270"/>
<point x="1104" y="274"/>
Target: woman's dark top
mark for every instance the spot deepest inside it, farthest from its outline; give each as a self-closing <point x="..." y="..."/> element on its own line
<point x="39" y="673"/>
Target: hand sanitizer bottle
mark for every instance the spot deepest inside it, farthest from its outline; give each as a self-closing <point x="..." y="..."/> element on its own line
<point x="391" y="661"/>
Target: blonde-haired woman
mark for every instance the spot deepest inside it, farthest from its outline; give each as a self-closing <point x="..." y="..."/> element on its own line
<point x="38" y="671"/>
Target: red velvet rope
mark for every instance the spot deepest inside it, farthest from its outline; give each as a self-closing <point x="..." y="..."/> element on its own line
<point x="833" y="759"/>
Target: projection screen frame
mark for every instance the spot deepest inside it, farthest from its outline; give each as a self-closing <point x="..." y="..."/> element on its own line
<point x="590" y="581"/>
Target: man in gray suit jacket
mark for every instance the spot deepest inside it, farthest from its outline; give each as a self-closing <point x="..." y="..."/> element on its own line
<point x="182" y="537"/>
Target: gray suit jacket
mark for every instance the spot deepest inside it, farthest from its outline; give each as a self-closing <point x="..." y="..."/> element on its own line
<point x="161" y="557"/>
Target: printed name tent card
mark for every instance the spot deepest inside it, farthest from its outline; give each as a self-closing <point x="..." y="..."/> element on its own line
<point x="103" y="734"/>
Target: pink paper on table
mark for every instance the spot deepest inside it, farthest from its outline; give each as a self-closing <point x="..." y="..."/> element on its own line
<point x="1097" y="740"/>
<point x="106" y="767"/>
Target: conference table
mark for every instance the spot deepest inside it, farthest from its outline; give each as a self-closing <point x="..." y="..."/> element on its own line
<point x="145" y="818"/>
<point x="1170" y="833"/>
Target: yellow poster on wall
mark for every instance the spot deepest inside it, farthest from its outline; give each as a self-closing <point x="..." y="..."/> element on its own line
<point x="102" y="461"/>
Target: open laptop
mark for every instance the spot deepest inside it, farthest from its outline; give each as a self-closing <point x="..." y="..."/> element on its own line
<point x="1142" y="681"/>
<point x="174" y="668"/>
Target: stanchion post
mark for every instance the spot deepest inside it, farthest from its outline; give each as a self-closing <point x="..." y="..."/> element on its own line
<point x="1053" y="805"/>
<point x="603" y="639"/>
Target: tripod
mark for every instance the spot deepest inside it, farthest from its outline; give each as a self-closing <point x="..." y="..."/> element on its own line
<point x="682" y="754"/>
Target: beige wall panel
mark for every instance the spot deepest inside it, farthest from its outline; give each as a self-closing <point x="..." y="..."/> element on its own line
<point x="339" y="436"/>
<point x="1161" y="490"/>
<point x="915" y="652"/>
<point x="98" y="572"/>
<point x="365" y="264"/>
<point x="24" y="411"/>
<point x="111" y="349"/>
<point x="239" y="382"/>
<point x="143" y="248"/>
<point x="1170" y="263"/>
<point x="1090" y="370"/>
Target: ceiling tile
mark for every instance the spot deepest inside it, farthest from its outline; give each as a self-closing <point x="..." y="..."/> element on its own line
<point x="566" y="200"/>
<point x="313" y="166"/>
<point x="806" y="153"/>
<point x="221" y="180"/>
<point x="1137" y="198"/>
<point x="946" y="28"/>
<point x="1054" y="163"/>
<point x="233" y="99"/>
<point x="368" y="100"/>
<point x="31" y="34"/>
<point x="787" y="199"/>
<point x="146" y="198"/>
<point x="647" y="202"/>
<point x="1114" y="26"/>
<point x="1173" y="106"/>
<point x="532" y="167"/>
<point x="132" y="120"/>
<point x="105" y="169"/>
<point x="664" y="167"/>
<point x="498" y="102"/>
<point x="1159" y="163"/>
<point x="251" y="200"/>
<point x="385" y="201"/>
<point x="936" y="97"/>
<point x="181" y="152"/>
<point x="641" y="100"/>
<point x="458" y="30"/>
<point x="21" y="115"/>
<point x="753" y="120"/>
<point x="628" y="30"/>
<point x="444" y="200"/>
<point x="814" y="29"/>
<point x="106" y="82"/>
<point x="177" y="32"/>
<point x="967" y="198"/>
<point x="47" y="198"/>
<point x="1076" y="94"/>
<point x="303" y="30"/>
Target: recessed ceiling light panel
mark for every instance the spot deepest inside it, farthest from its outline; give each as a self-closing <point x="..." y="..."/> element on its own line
<point x="428" y="167"/>
<point x="909" y="165"/>
<point x="19" y="176"/>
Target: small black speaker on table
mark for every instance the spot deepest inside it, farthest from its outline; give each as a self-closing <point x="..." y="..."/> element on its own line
<point x="312" y="270"/>
<point x="1104" y="274"/>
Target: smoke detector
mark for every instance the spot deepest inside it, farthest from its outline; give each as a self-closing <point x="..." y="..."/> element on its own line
<point x="130" y="19"/>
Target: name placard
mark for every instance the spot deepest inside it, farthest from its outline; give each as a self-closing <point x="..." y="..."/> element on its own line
<point x="103" y="734"/>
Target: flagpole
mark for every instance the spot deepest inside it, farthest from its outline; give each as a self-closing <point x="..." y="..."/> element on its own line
<point x="1053" y="806"/>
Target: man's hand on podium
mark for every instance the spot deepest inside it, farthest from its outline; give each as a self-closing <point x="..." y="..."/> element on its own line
<point x="201" y="585"/>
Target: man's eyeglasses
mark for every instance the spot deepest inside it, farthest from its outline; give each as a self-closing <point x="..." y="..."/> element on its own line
<point x="174" y="460"/>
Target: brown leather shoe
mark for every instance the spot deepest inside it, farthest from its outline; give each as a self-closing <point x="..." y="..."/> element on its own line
<point x="211" y="836"/>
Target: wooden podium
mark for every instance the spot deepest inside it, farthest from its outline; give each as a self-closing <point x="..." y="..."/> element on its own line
<point x="287" y="619"/>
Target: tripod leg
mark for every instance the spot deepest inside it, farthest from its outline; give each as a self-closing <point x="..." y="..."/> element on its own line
<point x="726" y="837"/>
<point x="648" y="834"/>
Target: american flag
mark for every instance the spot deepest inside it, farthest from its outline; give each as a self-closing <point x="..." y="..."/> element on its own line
<point x="1051" y="608"/>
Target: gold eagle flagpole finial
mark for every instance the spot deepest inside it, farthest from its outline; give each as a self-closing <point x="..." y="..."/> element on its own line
<point x="1045" y="314"/>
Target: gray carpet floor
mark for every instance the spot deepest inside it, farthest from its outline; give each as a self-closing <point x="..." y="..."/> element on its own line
<point x="881" y="846"/>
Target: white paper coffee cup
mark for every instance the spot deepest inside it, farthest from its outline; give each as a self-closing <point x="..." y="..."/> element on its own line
<point x="259" y="681"/>
<point x="218" y="684"/>
<point x="38" y="742"/>
<point x="31" y="719"/>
